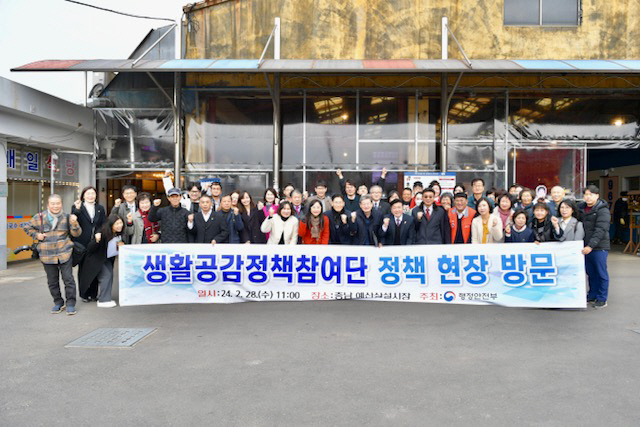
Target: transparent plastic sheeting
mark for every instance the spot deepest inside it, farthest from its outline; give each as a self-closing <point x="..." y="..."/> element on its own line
<point x="134" y="135"/>
<point x="572" y="135"/>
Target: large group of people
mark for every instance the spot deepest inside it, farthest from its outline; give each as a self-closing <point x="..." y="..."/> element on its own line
<point x="354" y="215"/>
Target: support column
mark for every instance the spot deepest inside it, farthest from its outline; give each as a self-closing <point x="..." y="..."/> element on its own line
<point x="277" y="132"/>
<point x="3" y="204"/>
<point x="444" y="116"/>
<point x="177" y="128"/>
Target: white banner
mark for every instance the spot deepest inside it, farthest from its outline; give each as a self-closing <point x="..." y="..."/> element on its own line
<point x="516" y="275"/>
<point x="447" y="180"/>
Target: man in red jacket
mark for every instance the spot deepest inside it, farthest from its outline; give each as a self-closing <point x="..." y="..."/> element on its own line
<point x="460" y="219"/>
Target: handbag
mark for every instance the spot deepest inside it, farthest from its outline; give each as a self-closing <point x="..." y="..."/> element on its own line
<point x="34" y="246"/>
<point x="79" y="250"/>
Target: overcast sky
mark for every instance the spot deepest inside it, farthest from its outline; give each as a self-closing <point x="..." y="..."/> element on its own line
<point x="33" y="30"/>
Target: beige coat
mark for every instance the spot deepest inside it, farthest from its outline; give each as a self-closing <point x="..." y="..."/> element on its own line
<point x="276" y="226"/>
<point x="495" y="231"/>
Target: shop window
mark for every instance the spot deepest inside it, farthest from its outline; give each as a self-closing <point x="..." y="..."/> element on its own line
<point x="231" y="133"/>
<point x="557" y="121"/>
<point x="633" y="183"/>
<point x="331" y="131"/>
<point x="542" y="12"/>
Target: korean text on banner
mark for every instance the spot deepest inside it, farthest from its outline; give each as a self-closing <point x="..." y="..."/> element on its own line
<point x="516" y="275"/>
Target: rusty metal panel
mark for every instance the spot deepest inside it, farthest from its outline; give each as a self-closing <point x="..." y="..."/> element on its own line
<point x="388" y="64"/>
<point x="50" y="65"/>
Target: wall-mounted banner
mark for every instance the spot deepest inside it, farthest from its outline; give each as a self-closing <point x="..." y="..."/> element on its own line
<point x="447" y="180"/>
<point x="515" y="275"/>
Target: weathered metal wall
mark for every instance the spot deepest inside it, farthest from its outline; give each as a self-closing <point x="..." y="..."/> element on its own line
<point x="392" y="29"/>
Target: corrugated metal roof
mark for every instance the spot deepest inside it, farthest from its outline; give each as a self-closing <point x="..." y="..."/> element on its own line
<point x="339" y="66"/>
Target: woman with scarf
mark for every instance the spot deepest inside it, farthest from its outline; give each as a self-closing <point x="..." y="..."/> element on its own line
<point x="281" y="225"/>
<point x="139" y="227"/>
<point x="504" y="210"/>
<point x="546" y="228"/>
<point x="339" y="233"/>
<point x="314" y="230"/>
<point x="91" y="216"/>
<point x="101" y="255"/>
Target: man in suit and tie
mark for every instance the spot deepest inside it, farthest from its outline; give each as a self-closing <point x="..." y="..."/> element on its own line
<point x="129" y="194"/>
<point x="207" y="227"/>
<point x="398" y="228"/>
<point x="379" y="205"/>
<point x="298" y="208"/>
<point x="432" y="222"/>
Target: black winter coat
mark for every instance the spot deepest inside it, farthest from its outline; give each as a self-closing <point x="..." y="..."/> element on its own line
<point x="89" y="227"/>
<point x="360" y="232"/>
<point x="545" y="231"/>
<point x="173" y="226"/>
<point x="338" y="231"/>
<point x="94" y="259"/>
<point x="596" y="225"/>
<point x="251" y="230"/>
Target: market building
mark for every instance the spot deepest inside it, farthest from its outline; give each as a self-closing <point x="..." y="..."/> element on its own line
<point x="48" y="145"/>
<point x="267" y="92"/>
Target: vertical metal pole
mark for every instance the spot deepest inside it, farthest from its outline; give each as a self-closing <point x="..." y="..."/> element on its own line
<point x="357" y="129"/>
<point x="96" y="148"/>
<point x="132" y="146"/>
<point x="177" y="38"/>
<point x="506" y="140"/>
<point x="445" y="38"/>
<point x="84" y="95"/>
<point x="304" y="140"/>
<point x="277" y="131"/>
<point x="444" y="117"/>
<point x="515" y="175"/>
<point x="416" y="117"/>
<point x="584" y="170"/>
<point x="276" y="40"/>
<point x="53" y="170"/>
<point x="177" y="128"/>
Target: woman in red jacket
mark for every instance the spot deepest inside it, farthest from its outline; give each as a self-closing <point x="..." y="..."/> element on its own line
<point x="314" y="230"/>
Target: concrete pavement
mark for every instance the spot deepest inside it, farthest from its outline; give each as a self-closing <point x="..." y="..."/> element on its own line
<point x="322" y="363"/>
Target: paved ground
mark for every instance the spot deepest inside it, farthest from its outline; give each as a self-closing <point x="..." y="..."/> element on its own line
<point x="322" y="363"/>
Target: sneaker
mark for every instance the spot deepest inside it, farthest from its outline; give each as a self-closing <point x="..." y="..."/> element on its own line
<point x="71" y="310"/>
<point x="107" y="304"/>
<point x="600" y="304"/>
<point x="88" y="299"/>
<point x="591" y="301"/>
<point x="57" y="308"/>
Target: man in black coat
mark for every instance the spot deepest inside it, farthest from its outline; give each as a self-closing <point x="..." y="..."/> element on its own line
<point x="596" y="239"/>
<point x="174" y="218"/>
<point x="207" y="227"/>
<point x="398" y="228"/>
<point x="365" y="223"/>
<point x="432" y="221"/>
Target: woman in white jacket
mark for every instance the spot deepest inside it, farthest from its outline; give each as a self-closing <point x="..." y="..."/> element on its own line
<point x="486" y="228"/>
<point x="281" y="226"/>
